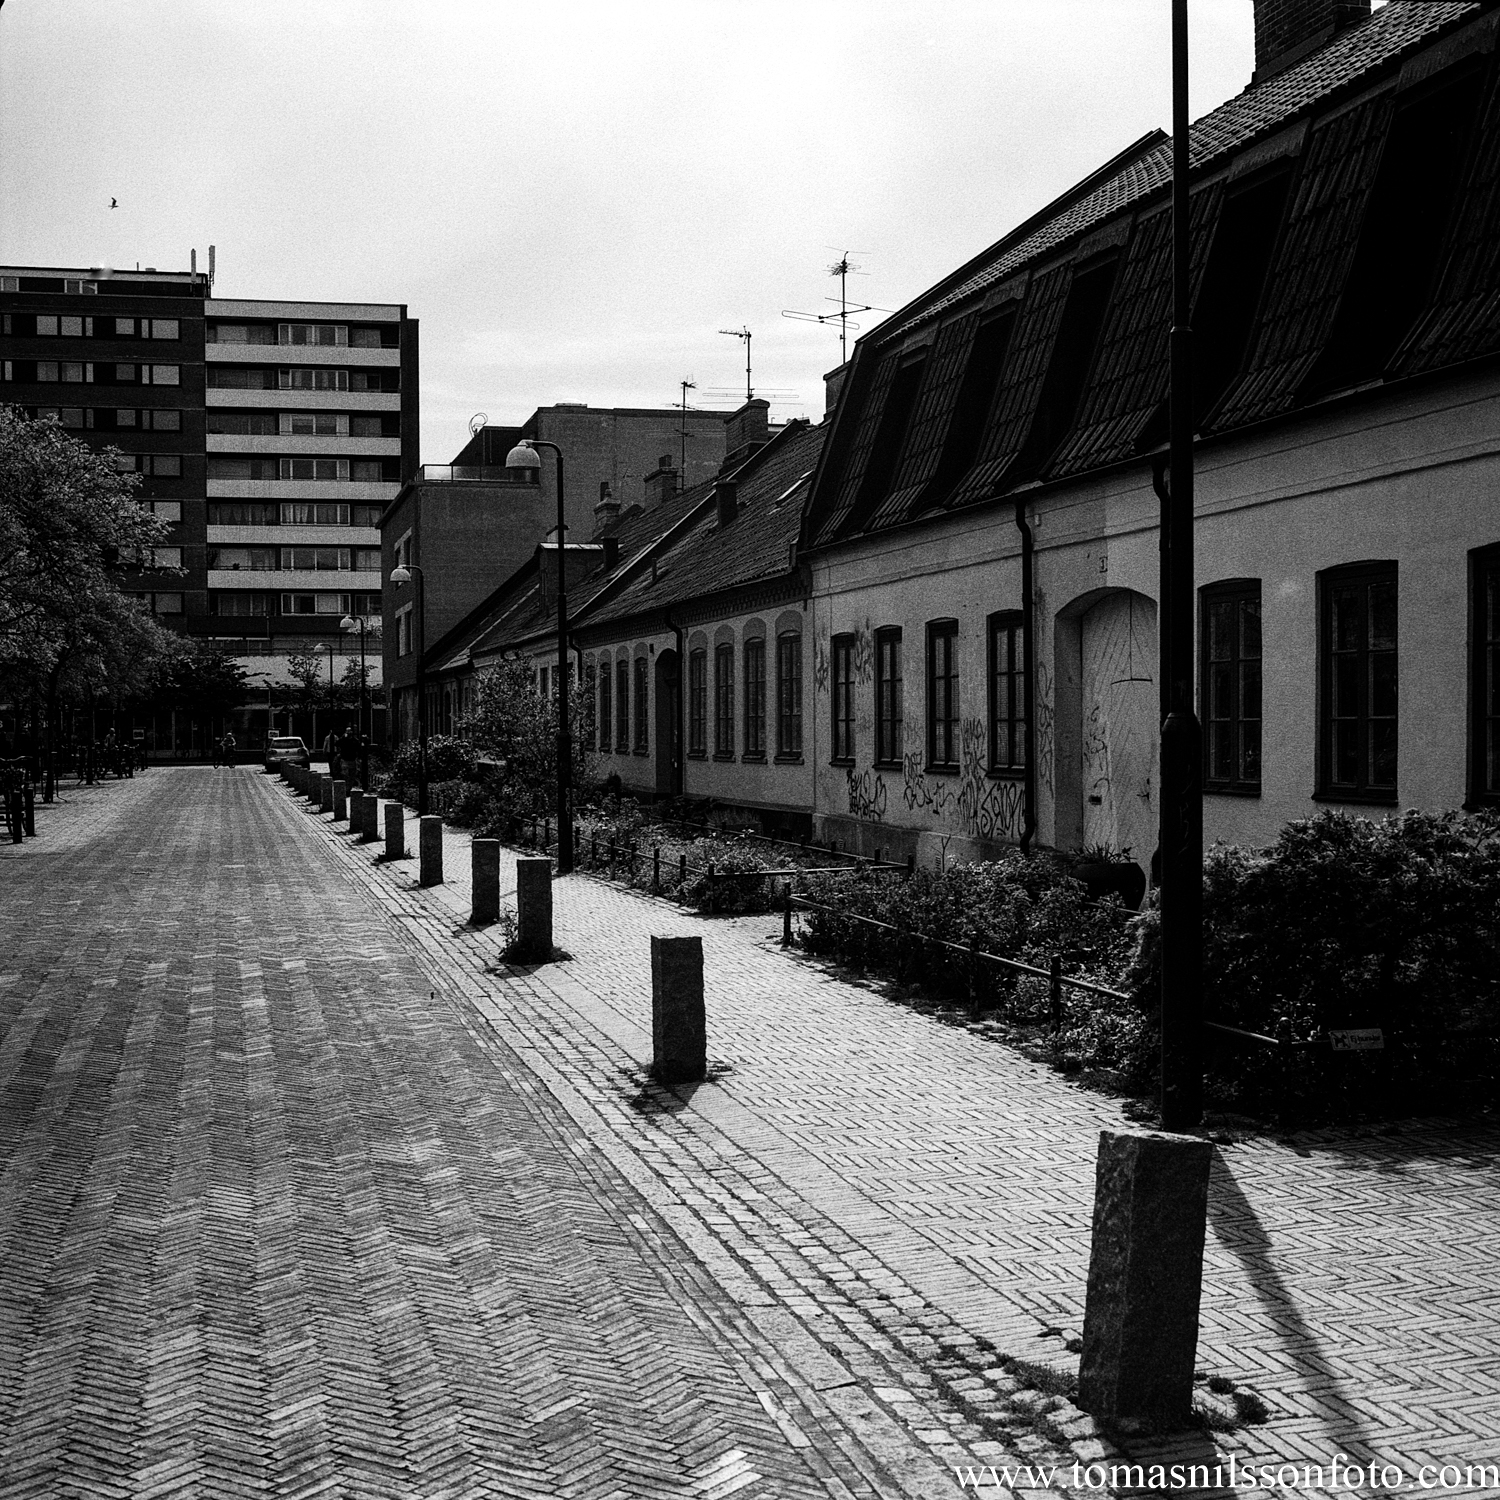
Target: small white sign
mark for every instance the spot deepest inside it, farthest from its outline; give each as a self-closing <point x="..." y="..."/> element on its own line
<point x="1362" y="1039"/>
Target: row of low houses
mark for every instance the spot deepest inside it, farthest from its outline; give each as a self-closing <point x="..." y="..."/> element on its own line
<point x="929" y="621"/>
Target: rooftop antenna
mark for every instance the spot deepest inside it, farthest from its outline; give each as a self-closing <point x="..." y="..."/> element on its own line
<point x="743" y="333"/>
<point x="211" y="250"/>
<point x="843" y="268"/>
<point x="478" y="421"/>
<point x="687" y="385"/>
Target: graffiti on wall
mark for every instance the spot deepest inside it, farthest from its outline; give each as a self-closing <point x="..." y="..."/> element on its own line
<point x="985" y="807"/>
<point x="820" y="665"/>
<point x="867" y="795"/>
<point x="1044" y="726"/>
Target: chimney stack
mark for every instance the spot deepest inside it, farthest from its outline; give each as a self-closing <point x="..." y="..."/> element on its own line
<point x="833" y="383"/>
<point x="1287" y="30"/>
<point x="661" y="484"/>
<point x="725" y="497"/>
<point x="606" y="512"/>
<point x="746" y="430"/>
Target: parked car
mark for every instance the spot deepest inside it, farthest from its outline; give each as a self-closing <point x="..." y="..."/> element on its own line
<point x="285" y="750"/>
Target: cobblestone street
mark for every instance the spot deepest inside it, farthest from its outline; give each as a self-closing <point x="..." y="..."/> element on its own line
<point x="303" y="1191"/>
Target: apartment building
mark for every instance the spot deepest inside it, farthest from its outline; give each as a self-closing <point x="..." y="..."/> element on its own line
<point x="270" y="434"/>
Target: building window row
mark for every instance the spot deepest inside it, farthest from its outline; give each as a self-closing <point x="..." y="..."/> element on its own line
<point x="66" y="326"/>
<point x="159" y="603"/>
<point x="322" y="335"/>
<point x="254" y="378"/>
<point x="302" y="424"/>
<point x="246" y="602"/>
<point x="88" y="372"/>
<point x="337" y="470"/>
<point x="291" y="513"/>
<point x="296" y="559"/>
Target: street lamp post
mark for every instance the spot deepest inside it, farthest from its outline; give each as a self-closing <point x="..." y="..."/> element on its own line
<point x="525" y="456"/>
<point x="349" y="623"/>
<point x="403" y="573"/>
<point x="324" y="648"/>
<point x="1181" y="828"/>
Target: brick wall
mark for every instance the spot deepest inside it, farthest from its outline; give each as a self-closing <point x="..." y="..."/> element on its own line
<point x="1286" y="28"/>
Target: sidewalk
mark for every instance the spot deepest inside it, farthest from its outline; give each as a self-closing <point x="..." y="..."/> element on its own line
<point x="1351" y="1278"/>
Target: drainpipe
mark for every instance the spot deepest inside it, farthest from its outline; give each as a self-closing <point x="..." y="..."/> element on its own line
<point x="1028" y="679"/>
<point x="679" y="766"/>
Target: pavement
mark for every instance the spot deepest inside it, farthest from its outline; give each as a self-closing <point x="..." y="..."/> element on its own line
<point x="304" y="1191"/>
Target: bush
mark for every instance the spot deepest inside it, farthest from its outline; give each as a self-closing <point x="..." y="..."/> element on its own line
<point x="449" y="759"/>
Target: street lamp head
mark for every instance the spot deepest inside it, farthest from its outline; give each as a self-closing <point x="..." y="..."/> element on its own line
<point x="322" y="648"/>
<point x="523" y="456"/>
<point x="348" y="623"/>
<point x="400" y="574"/>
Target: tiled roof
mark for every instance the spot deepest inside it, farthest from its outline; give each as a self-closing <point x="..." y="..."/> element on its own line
<point x="756" y="545"/>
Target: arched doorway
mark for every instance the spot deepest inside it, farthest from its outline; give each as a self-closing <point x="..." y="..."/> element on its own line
<point x="668" y="724"/>
<point x="1108" y="723"/>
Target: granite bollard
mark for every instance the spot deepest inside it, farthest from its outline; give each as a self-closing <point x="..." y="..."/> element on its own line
<point x="679" y="1031"/>
<point x="369" y="828"/>
<point x="356" y="810"/>
<point x="395" y="830"/>
<point x="484" y="865"/>
<point x="325" y="794"/>
<point x="430" y="850"/>
<point x="340" y="801"/>
<point x="1140" y="1322"/>
<point x="533" y="908"/>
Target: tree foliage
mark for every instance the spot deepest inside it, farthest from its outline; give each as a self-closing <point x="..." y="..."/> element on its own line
<point x="207" y="683"/>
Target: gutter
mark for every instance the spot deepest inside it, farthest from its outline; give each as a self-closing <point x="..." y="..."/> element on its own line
<point x="1028" y="679"/>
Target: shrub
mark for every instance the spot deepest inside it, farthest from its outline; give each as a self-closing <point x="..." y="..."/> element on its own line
<point x="448" y="759"/>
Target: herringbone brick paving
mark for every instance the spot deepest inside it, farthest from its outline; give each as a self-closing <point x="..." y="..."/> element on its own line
<point x="1351" y="1277"/>
<point x="272" y="1223"/>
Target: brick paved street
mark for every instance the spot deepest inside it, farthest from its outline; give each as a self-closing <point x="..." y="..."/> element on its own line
<point x="305" y="1193"/>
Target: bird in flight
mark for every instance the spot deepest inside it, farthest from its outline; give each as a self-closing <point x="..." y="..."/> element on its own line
<point x="114" y="202"/>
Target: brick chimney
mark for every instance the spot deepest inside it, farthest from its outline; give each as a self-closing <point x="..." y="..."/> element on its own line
<point x="1287" y="30"/>
<point x="661" y="483"/>
<point x="726" y="499"/>
<point x="833" y="383"/>
<point x="606" y="512"/>
<point x="746" y="430"/>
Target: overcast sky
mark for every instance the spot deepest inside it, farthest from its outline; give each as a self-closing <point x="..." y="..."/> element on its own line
<point x="575" y="197"/>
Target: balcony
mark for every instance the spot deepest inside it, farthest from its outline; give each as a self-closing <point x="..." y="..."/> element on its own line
<point x="299" y="580"/>
<point x="271" y="443"/>
<point x="294" y="536"/>
<point x="302" y="489"/>
<point x="280" y="400"/>
<point x="305" y="355"/>
<point x="475" y="474"/>
<point x="302" y="312"/>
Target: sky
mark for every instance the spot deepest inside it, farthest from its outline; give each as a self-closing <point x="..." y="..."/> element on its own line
<point x="576" y="197"/>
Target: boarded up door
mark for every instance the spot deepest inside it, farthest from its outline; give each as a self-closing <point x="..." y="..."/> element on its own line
<point x="1120" y="725"/>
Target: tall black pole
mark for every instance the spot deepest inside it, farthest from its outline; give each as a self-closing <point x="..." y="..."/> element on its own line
<point x="364" y="711"/>
<point x="564" y="729"/>
<point x="1181" y="834"/>
<point x="421" y="607"/>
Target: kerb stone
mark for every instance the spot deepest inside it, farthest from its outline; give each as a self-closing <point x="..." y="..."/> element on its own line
<point x="1140" y="1324"/>
<point x="679" y="1031"/>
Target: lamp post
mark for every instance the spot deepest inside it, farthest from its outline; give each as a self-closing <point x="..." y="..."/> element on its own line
<point x="350" y="623"/>
<point x="325" y="648"/>
<point x="403" y="573"/>
<point x="525" y="456"/>
<point x="1181" y="828"/>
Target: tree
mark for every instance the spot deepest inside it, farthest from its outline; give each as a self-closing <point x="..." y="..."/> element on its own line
<point x="207" y="683"/>
<point x="71" y="530"/>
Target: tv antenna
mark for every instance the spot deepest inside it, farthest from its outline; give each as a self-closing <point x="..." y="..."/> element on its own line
<point x="687" y="385"/>
<point x="743" y="333"/>
<point x="477" y="422"/>
<point x="843" y="268"/>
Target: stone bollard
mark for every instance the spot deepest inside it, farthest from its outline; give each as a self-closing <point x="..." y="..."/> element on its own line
<point x="369" y="828"/>
<point x="340" y="802"/>
<point x="395" y="830"/>
<point x="325" y="794"/>
<point x="533" y="908"/>
<point x="484" y="864"/>
<point x="356" y="811"/>
<point x="679" y="1032"/>
<point x="430" y="848"/>
<point x="1140" y="1322"/>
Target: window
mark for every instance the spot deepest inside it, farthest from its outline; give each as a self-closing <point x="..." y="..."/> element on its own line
<point x="167" y="510"/>
<point x="316" y="559"/>
<point x="367" y="470"/>
<point x="166" y="557"/>
<point x="372" y="427"/>
<point x="606" y="717"/>
<point x="1229" y="674"/>
<point x="163" y="465"/>
<point x="403" y="631"/>
<point x="314" y="468"/>
<point x="890" y="437"/>
<point x="87" y="288"/>
<point x="789" y="696"/>
<point x="163" y="374"/>
<point x="543" y="683"/>
<point x="1358" y="688"/>
<point x="971" y="408"/>
<point x="314" y="513"/>
<point x="843" y="698"/>
<point x="165" y="328"/>
<point x="755" y="699"/>
<point x="942" y="694"/>
<point x="313" y="380"/>
<point x="1007" y="692"/>
<point x="46" y="371"/>
<point x="316" y="604"/>
<point x="238" y="378"/>
<point x="698" y="702"/>
<point x="240" y="333"/>
<point x="243" y="559"/>
<point x="242" y="468"/>
<point x="642" y="739"/>
<point x="166" y="604"/>
<point x="240" y="604"/>
<point x="326" y="334"/>
<point x="124" y="328"/>
<point x="364" y="338"/>
<point x="364" y="515"/>
<point x="724" y="700"/>
<point x="366" y="559"/>
<point x="241" y="424"/>
<point x="241" y="513"/>
<point x="622" y="706"/>
<point x="314" y="424"/>
<point x="162" y="420"/>
<point x="1484" y="691"/>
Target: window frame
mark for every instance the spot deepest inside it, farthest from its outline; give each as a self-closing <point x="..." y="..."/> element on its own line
<point x="888" y="696"/>
<point x="622" y="705"/>
<point x="1007" y="626"/>
<point x="1330" y="582"/>
<point x="841" y="685"/>
<point x="1483" y="788"/>
<point x="724" y="700"/>
<point x="753" y="669"/>
<point x="789" y="696"/>
<point x="946" y="631"/>
<point x="1235" y="591"/>
<point x="605" y="716"/>
<point x="698" y="702"/>
<point x="640" y="707"/>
